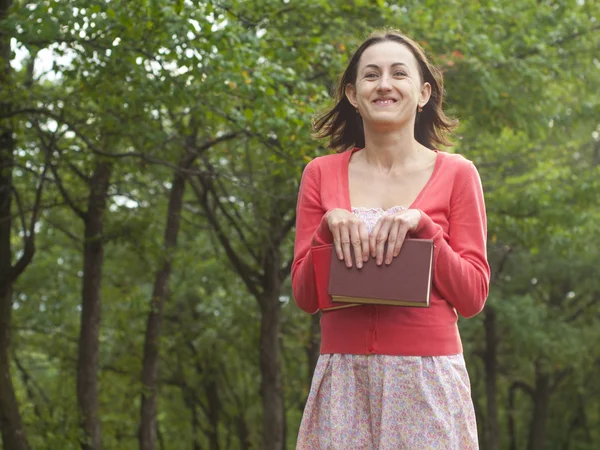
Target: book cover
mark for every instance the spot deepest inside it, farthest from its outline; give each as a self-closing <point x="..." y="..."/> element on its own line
<point x="405" y="282"/>
<point x="322" y="265"/>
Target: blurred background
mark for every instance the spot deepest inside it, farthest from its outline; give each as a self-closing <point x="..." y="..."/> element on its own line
<point x="150" y="155"/>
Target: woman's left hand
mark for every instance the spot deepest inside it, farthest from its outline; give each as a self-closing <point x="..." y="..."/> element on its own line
<point x="392" y="229"/>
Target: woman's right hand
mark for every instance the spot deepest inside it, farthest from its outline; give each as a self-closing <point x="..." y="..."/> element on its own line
<point x="350" y="235"/>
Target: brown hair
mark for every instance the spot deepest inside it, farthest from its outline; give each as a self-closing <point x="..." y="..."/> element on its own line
<point x="344" y="126"/>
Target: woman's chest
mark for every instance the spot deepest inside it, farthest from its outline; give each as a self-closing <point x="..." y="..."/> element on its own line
<point x="386" y="191"/>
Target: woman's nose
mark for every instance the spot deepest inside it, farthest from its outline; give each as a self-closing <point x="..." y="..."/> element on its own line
<point x="384" y="82"/>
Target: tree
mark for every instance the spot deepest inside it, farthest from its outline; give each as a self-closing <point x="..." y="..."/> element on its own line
<point x="195" y="293"/>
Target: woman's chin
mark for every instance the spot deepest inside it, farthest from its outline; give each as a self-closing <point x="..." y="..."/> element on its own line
<point x="385" y="122"/>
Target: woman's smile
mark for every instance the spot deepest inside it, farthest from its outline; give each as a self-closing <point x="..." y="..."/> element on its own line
<point x="384" y="101"/>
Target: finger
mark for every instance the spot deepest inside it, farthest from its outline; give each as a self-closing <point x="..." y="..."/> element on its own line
<point x="345" y="240"/>
<point x="335" y="232"/>
<point x="373" y="239"/>
<point x="403" y="228"/>
<point x="364" y="239"/>
<point x="381" y="239"/>
<point x="392" y="241"/>
<point x="356" y="243"/>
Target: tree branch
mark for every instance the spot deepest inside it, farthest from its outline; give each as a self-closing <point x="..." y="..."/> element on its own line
<point x="76" y="171"/>
<point x="219" y="182"/>
<point x="236" y="226"/>
<point x="144" y="157"/>
<point x="558" y="41"/>
<point x="66" y="232"/>
<point x="38" y="195"/>
<point x="66" y="195"/>
<point x="29" y="237"/>
<point x="503" y="259"/>
<point x="285" y="270"/>
<point x="248" y="275"/>
<point x="285" y="229"/>
<point x="583" y="308"/>
<point x="29" y="389"/>
<point x="21" y="211"/>
<point x="199" y="149"/>
<point x="30" y="383"/>
<point x="560" y="376"/>
<point x="523" y="386"/>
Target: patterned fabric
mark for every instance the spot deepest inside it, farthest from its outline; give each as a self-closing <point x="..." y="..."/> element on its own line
<point x="383" y="402"/>
<point x="370" y="216"/>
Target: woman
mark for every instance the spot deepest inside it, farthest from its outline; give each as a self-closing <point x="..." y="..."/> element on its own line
<point x="391" y="377"/>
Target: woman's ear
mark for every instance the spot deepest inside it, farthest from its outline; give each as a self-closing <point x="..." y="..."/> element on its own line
<point x="351" y="94"/>
<point x="425" y="94"/>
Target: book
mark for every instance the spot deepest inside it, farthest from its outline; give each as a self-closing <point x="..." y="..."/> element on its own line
<point x="405" y="282"/>
<point x="321" y="255"/>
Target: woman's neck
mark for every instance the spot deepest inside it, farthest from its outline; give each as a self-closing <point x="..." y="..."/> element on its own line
<point x="390" y="151"/>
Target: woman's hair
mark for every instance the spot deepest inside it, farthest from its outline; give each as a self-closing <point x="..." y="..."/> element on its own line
<point x="344" y="126"/>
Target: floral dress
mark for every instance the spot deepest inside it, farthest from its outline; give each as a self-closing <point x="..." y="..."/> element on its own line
<point x="383" y="402"/>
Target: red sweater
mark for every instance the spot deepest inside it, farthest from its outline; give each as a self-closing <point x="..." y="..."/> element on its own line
<point x="452" y="214"/>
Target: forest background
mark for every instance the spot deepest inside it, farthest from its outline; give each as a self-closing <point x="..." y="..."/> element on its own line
<point x="150" y="155"/>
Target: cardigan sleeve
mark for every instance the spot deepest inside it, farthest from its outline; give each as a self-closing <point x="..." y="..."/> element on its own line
<point x="311" y="229"/>
<point x="461" y="272"/>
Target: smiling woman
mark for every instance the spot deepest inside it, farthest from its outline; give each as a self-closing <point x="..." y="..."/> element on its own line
<point x="389" y="88"/>
<point x="391" y="377"/>
<point x="345" y="128"/>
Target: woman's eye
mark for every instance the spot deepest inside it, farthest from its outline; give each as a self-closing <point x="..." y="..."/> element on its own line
<point x="370" y="75"/>
<point x="399" y="74"/>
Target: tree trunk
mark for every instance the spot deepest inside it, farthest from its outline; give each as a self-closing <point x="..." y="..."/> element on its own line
<point x="195" y="432"/>
<point x="271" y="388"/>
<point x="265" y="286"/>
<point x="147" y="434"/>
<point x="191" y="403"/>
<point x="11" y="426"/>
<point x="93" y="258"/>
<point x="492" y="430"/>
<point x="580" y="423"/>
<point x="243" y="433"/>
<point x="541" y="402"/>
<point x="512" y="429"/>
<point x="213" y="410"/>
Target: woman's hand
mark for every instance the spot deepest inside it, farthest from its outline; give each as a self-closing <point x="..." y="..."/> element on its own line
<point x="350" y="235"/>
<point x="392" y="229"/>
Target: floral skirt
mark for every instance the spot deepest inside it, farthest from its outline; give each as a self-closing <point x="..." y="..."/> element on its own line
<point x="377" y="402"/>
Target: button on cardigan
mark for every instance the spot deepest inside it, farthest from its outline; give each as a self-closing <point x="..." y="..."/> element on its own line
<point x="452" y="214"/>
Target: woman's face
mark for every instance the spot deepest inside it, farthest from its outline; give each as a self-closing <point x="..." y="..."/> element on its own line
<point x="388" y="87"/>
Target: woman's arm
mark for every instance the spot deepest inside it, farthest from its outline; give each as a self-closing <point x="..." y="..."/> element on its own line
<point x="311" y="229"/>
<point x="461" y="272"/>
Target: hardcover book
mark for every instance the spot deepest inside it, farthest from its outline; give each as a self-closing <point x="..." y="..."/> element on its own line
<point x="405" y="282"/>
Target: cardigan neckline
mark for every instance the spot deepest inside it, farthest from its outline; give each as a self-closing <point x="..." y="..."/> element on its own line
<point x="346" y="180"/>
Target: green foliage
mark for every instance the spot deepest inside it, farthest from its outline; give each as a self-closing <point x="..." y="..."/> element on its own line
<point x="144" y="83"/>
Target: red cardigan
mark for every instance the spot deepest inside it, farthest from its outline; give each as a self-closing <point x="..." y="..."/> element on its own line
<point x="452" y="214"/>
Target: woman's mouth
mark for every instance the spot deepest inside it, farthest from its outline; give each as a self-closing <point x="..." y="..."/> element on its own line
<point x="384" y="101"/>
